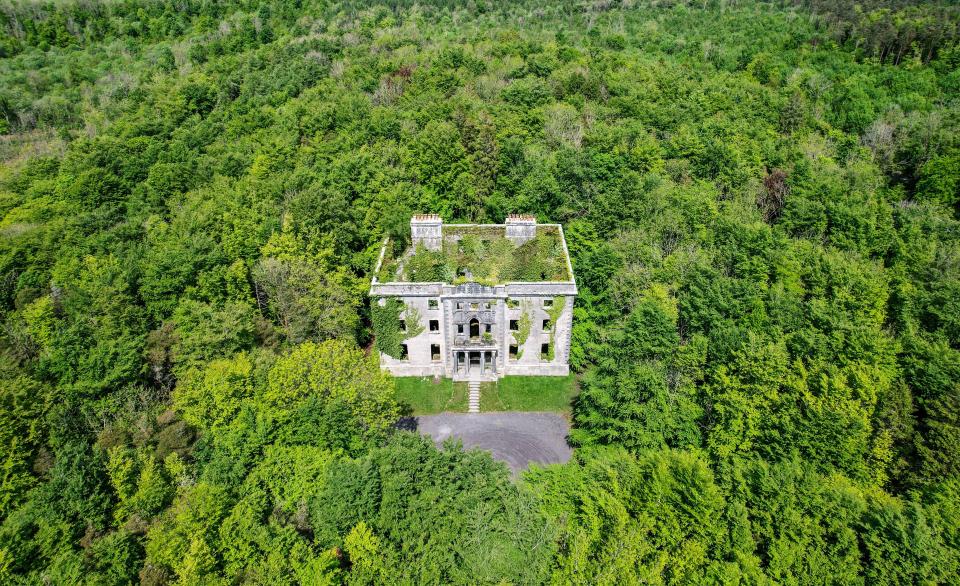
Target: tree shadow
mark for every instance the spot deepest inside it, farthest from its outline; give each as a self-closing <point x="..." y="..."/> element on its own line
<point x="406" y="423"/>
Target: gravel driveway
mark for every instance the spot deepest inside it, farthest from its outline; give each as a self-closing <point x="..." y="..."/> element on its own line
<point x="512" y="437"/>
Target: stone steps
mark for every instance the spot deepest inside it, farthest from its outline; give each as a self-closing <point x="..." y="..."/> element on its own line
<point x="474" y="396"/>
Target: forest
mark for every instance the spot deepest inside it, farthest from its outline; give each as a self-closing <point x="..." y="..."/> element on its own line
<point x="761" y="203"/>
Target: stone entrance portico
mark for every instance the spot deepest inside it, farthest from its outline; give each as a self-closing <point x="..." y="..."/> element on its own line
<point x="470" y="364"/>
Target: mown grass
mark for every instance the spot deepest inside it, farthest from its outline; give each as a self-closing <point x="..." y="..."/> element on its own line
<point x="490" y="398"/>
<point x="425" y="396"/>
<point x="529" y="393"/>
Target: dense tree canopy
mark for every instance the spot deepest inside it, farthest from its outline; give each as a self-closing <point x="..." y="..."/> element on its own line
<point x="760" y="199"/>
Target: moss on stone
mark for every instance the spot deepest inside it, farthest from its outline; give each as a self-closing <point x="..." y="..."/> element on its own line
<point x="481" y="254"/>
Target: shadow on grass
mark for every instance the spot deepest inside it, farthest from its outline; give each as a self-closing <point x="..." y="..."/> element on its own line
<point x="429" y="396"/>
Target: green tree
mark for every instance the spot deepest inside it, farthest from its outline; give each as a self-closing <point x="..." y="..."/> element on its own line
<point x="331" y="372"/>
<point x="939" y="181"/>
<point x="310" y="300"/>
<point x="204" y="332"/>
<point x="630" y="519"/>
<point x="213" y="395"/>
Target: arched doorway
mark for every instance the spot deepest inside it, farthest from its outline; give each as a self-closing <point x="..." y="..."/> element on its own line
<point x="474" y="328"/>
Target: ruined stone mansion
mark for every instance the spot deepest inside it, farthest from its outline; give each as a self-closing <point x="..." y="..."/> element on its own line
<point x="479" y="301"/>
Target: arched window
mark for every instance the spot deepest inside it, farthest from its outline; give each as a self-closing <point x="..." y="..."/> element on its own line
<point x="474" y="328"/>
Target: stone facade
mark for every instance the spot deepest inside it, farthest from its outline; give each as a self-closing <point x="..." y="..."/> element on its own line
<point x="470" y="330"/>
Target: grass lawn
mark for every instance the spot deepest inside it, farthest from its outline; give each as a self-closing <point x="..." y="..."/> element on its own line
<point x="426" y="397"/>
<point x="490" y="398"/>
<point x="529" y="393"/>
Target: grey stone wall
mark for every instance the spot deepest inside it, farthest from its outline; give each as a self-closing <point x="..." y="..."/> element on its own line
<point x="439" y="302"/>
<point x="427" y="230"/>
<point x="521" y="228"/>
<point x="419" y="361"/>
<point x="530" y="361"/>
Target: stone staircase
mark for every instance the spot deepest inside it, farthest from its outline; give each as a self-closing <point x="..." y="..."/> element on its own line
<point x="473" y="387"/>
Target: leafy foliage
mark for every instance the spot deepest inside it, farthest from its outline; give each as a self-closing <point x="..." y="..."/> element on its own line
<point x="385" y="318"/>
<point x="483" y="255"/>
<point x="760" y="201"/>
<point x="524" y="323"/>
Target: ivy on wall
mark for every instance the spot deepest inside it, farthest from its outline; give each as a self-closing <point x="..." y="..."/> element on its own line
<point x="523" y="329"/>
<point x="414" y="323"/>
<point x="555" y="311"/>
<point x="387" y="332"/>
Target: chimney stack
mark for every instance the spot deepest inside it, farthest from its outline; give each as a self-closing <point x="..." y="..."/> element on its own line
<point x="521" y="228"/>
<point x="426" y="230"/>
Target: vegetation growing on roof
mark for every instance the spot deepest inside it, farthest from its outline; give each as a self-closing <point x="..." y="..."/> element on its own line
<point x="481" y="254"/>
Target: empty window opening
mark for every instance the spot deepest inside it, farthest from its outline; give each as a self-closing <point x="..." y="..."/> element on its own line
<point x="546" y="325"/>
<point x="474" y="328"/>
<point x="513" y="303"/>
<point x="459" y="328"/>
<point x="548" y="302"/>
<point x="403" y="325"/>
<point x="544" y="350"/>
<point x="433" y="304"/>
<point x="474" y="306"/>
<point x="514" y="325"/>
<point x="487" y="328"/>
<point x="514" y="351"/>
<point x="434" y="325"/>
<point x="435" y="352"/>
<point x="404" y="355"/>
